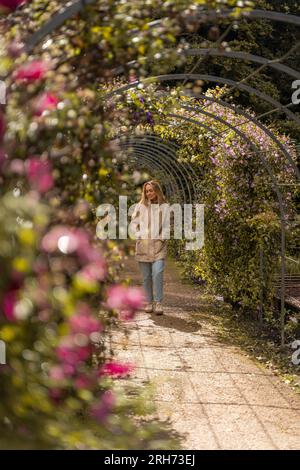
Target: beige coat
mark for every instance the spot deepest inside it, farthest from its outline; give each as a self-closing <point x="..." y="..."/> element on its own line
<point x="146" y="248"/>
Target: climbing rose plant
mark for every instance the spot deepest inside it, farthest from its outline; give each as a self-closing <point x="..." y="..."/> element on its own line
<point x="59" y="293"/>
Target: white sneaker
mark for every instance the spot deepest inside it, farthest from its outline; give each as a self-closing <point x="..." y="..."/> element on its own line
<point x="159" y="308"/>
<point x="149" y="308"/>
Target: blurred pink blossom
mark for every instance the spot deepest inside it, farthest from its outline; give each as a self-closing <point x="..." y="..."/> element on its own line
<point x="126" y="315"/>
<point x="85" y="324"/>
<point x="121" y="297"/>
<point x="32" y="71"/>
<point x="39" y="174"/>
<point x="116" y="369"/>
<point x="46" y="101"/>
<point x="70" y="353"/>
<point x="67" y="239"/>
<point x="56" y="394"/>
<point x="57" y="373"/>
<point x="17" y="166"/>
<point x="8" y="304"/>
<point x="84" y="382"/>
<point x="102" y="410"/>
<point x="94" y="271"/>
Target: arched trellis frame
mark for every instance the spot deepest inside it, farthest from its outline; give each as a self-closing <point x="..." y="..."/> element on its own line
<point x="212" y="15"/>
<point x="168" y="150"/>
<point x="256" y="151"/>
<point x="156" y="160"/>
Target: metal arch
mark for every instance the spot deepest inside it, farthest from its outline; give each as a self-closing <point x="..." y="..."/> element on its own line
<point x="274" y="16"/>
<point x="176" y="147"/>
<point x="164" y="164"/>
<point x="148" y="166"/>
<point x="208" y="78"/>
<point x="279" y="197"/>
<point x="256" y="150"/>
<point x="167" y="167"/>
<point x="78" y="5"/>
<point x="147" y="162"/>
<point x="262" y="15"/>
<point x="159" y="163"/>
<point x="235" y="109"/>
<point x="250" y="118"/>
<point x="241" y="55"/>
<point x="55" y="22"/>
<point x="159" y="143"/>
<point x="158" y="154"/>
<point x="152" y="163"/>
<point x="244" y="56"/>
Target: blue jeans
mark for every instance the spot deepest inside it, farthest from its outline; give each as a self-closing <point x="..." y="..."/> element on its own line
<point x="153" y="279"/>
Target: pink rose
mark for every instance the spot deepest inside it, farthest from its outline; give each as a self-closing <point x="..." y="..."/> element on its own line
<point x="101" y="410"/>
<point x="94" y="271"/>
<point x="85" y="324"/>
<point x="8" y="304"/>
<point x="67" y="239"/>
<point x="128" y="298"/>
<point x="84" y="382"/>
<point x="116" y="369"/>
<point x="57" y="373"/>
<point x="46" y="101"/>
<point x="39" y="174"/>
<point x="70" y="353"/>
<point x="32" y="71"/>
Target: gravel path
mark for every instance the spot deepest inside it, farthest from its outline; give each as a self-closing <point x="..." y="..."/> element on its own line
<point x="215" y="396"/>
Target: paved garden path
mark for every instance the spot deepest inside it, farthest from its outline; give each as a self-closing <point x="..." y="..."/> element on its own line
<point x="215" y="396"/>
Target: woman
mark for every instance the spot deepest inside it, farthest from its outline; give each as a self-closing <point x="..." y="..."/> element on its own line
<point x="151" y="252"/>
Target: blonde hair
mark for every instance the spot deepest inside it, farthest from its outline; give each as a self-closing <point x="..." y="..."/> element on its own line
<point x="158" y="191"/>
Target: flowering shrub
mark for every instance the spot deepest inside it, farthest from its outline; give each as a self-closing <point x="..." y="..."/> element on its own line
<point x="242" y="215"/>
<point x="242" y="211"/>
<point x="59" y="295"/>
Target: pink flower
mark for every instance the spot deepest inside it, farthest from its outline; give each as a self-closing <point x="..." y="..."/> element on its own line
<point x="46" y="101"/>
<point x="57" y="373"/>
<point x="90" y="254"/>
<point x="126" y="315"/>
<point x="39" y="174"/>
<point x="70" y="353"/>
<point x="116" y="369"/>
<point x="84" y="382"/>
<point x="56" y="394"/>
<point x="94" y="271"/>
<point x="85" y="324"/>
<point x="17" y="166"/>
<point x="12" y="4"/>
<point x="116" y="296"/>
<point x="32" y="71"/>
<point x="8" y="304"/>
<point x="134" y="298"/>
<point x="66" y="239"/>
<point x="102" y="410"/>
<point x="130" y="298"/>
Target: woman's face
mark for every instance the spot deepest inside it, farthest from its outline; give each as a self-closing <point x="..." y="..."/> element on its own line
<point x="150" y="193"/>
